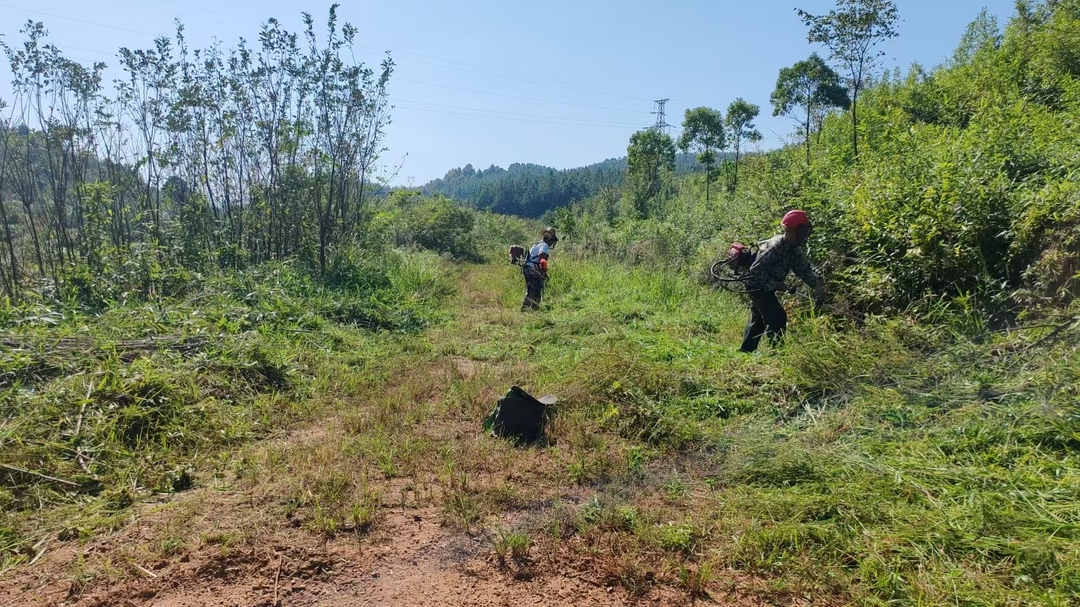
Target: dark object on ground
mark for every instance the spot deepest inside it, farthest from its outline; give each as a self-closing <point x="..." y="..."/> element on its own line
<point x="519" y="416"/>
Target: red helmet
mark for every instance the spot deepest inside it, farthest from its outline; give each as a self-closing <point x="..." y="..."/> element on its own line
<point x="794" y="219"/>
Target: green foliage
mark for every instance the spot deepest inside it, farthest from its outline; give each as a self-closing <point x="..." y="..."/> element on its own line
<point x="740" y="123"/>
<point x="158" y="173"/>
<point x="133" y="398"/>
<point x="813" y="86"/>
<point x="650" y="166"/>
<point x="531" y="190"/>
<point x="879" y="463"/>
<point x="965" y="196"/>
<point x="982" y="35"/>
<point x="852" y="32"/>
<point x="703" y="132"/>
<point x="526" y="190"/>
<point x="516" y="544"/>
<point x="440" y="225"/>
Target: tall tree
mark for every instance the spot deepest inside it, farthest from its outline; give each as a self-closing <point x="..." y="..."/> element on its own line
<point x="703" y="133"/>
<point x="812" y="86"/>
<point x="11" y="283"/>
<point x="852" y="32"/>
<point x="197" y="155"/>
<point x="982" y="33"/>
<point x="740" y="124"/>
<point x="650" y="163"/>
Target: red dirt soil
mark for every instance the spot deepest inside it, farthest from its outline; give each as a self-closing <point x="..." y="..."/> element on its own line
<point x="410" y="559"/>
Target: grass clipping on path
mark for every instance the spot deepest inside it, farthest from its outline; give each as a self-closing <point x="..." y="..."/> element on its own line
<point x="887" y="463"/>
<point x="891" y="462"/>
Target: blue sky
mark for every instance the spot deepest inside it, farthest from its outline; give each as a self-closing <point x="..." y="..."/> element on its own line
<point x="561" y="83"/>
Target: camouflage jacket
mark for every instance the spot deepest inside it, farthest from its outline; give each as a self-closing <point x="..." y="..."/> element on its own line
<point x="773" y="262"/>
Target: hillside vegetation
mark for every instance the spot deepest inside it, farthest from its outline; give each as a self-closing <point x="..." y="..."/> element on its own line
<point x="322" y="352"/>
<point x="965" y="188"/>
<point x="530" y="190"/>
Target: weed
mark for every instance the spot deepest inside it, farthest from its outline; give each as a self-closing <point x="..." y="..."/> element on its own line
<point x="219" y="538"/>
<point x="675" y="488"/>
<point x="676" y="537"/>
<point x="363" y="514"/>
<point x="461" y="509"/>
<point x="512" y="543"/>
<point x="695" y="579"/>
<point x="139" y="397"/>
<point x="387" y="463"/>
<point x="886" y="463"/>
<point x="636" y="459"/>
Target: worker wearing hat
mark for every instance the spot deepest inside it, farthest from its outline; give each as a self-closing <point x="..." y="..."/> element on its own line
<point x="535" y="269"/>
<point x="768" y="274"/>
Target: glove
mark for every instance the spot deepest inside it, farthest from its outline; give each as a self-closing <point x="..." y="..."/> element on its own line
<point x="819" y="296"/>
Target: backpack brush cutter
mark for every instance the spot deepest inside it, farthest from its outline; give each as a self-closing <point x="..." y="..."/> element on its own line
<point x="733" y="270"/>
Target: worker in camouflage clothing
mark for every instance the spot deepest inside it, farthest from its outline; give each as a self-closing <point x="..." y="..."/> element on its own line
<point x="768" y="274"/>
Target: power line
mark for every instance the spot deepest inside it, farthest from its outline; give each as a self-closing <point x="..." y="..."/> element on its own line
<point x="516" y="77"/>
<point x="433" y="111"/>
<point x="458" y="88"/>
<point x="613" y="92"/>
<point x="199" y="8"/>
<point x="85" y="50"/>
<point x="473" y="109"/>
<point x="531" y="79"/>
<point x="121" y="29"/>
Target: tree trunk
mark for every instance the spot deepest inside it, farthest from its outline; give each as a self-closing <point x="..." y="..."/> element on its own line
<point x="854" y="125"/>
<point x="735" y="178"/>
<point x="707" y="171"/>
<point x="809" y="110"/>
<point x="13" y="291"/>
<point x="34" y="236"/>
<point x="11" y="252"/>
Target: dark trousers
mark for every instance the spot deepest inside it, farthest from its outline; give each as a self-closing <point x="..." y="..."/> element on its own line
<point x="534" y="288"/>
<point x="767" y="317"/>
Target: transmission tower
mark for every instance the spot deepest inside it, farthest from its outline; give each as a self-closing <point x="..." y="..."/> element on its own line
<point x="661" y="119"/>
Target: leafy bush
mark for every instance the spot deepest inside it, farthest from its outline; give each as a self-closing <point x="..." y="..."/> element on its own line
<point x="440" y="225"/>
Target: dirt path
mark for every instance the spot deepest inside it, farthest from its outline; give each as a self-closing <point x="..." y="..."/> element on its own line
<point x="228" y="544"/>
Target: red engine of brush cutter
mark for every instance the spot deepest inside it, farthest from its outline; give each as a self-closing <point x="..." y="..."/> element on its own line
<point x="739" y="258"/>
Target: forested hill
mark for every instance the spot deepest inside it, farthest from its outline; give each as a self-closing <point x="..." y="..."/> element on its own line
<point x="530" y="190"/>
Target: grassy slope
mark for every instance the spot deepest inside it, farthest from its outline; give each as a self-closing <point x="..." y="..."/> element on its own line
<point x="888" y="462"/>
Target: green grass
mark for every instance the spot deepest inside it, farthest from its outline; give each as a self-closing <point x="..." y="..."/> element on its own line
<point x="141" y="398"/>
<point x="888" y="462"/>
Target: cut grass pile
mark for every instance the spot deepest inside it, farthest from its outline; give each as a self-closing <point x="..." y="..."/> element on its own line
<point x="102" y="409"/>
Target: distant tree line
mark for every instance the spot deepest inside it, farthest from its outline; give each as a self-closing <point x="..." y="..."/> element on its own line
<point x="531" y="190"/>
